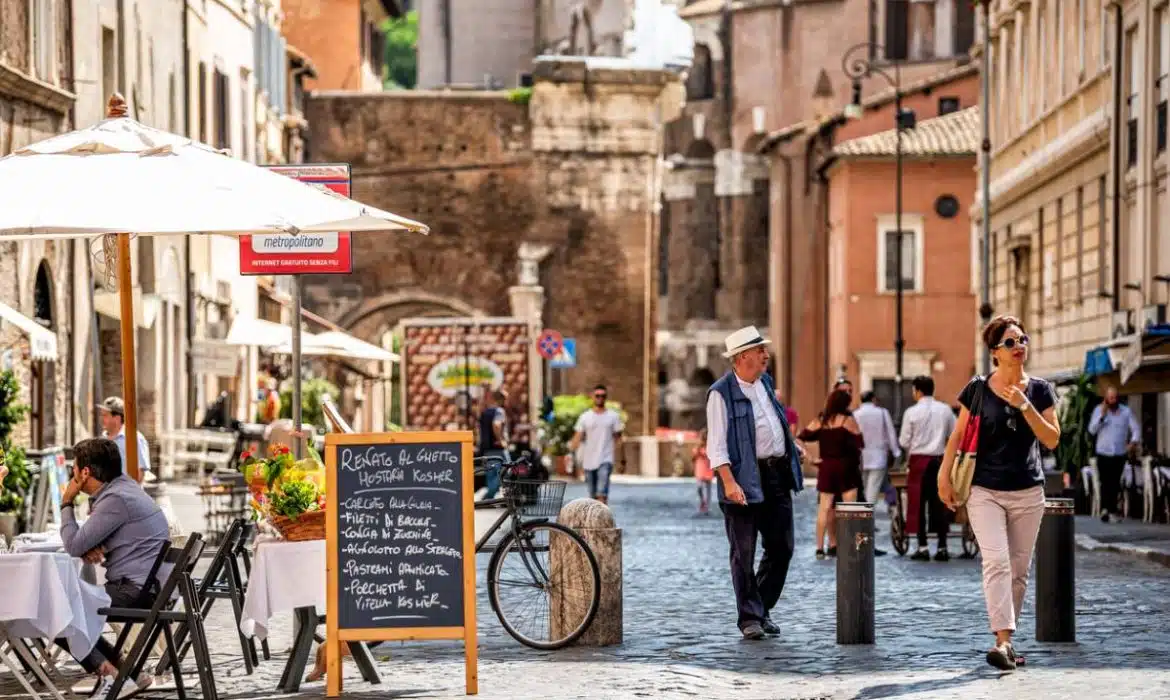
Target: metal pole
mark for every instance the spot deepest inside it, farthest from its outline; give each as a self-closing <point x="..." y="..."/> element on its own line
<point x="855" y="573"/>
<point x="985" y="179"/>
<point x="899" y="341"/>
<point x="296" y="365"/>
<point x="1056" y="573"/>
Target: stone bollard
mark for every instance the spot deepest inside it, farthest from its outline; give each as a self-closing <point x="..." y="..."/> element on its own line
<point x="855" y="575"/>
<point x="1056" y="609"/>
<point x="594" y="521"/>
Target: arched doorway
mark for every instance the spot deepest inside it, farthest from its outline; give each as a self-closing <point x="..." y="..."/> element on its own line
<point x="43" y="390"/>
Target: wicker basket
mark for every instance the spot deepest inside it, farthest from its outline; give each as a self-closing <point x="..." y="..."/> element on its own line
<point x="307" y="526"/>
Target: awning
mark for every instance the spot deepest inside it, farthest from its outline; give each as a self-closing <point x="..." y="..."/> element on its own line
<point x="1133" y="364"/>
<point x="1149" y="349"/>
<point x="1106" y="358"/>
<point x="42" y="341"/>
<point x="257" y="332"/>
<point x="337" y="344"/>
<point x="146" y="306"/>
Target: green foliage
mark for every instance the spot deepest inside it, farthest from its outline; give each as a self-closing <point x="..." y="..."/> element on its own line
<point x="400" y="56"/>
<point x="1076" y="446"/>
<point x="520" y="96"/>
<point x="311" y="392"/>
<point x="293" y="498"/>
<point x="567" y="408"/>
<point x="12" y="412"/>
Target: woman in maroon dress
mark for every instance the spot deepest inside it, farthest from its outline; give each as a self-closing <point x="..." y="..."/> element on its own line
<point x="838" y="473"/>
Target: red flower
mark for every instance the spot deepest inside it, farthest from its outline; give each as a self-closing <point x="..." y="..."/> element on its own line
<point x="247" y="454"/>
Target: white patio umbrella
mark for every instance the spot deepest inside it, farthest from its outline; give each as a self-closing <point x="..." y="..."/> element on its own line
<point x="123" y="178"/>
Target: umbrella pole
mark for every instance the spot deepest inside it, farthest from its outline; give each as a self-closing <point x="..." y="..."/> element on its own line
<point x="129" y="384"/>
<point x="296" y="365"/>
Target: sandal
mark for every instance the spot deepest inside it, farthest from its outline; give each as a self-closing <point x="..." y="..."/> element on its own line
<point x="820" y="554"/>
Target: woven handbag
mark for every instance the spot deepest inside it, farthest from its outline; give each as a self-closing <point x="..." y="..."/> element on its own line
<point x="963" y="466"/>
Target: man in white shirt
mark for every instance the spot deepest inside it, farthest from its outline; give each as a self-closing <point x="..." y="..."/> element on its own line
<point x="926" y="427"/>
<point x="757" y="463"/>
<point x="600" y="431"/>
<point x="881" y="441"/>
<point x="113" y="414"/>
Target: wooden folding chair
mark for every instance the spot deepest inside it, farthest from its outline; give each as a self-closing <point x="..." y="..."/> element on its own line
<point x="159" y="618"/>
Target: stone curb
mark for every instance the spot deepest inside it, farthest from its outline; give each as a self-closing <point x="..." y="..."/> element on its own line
<point x="1092" y="545"/>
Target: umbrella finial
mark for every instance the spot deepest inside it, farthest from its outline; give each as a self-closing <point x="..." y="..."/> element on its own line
<point x="116" y="107"/>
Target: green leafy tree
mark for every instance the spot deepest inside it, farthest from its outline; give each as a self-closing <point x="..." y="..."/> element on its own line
<point x="312" y="390"/>
<point x="1076" y="446"/>
<point x="400" y="56"/>
<point x="12" y="412"/>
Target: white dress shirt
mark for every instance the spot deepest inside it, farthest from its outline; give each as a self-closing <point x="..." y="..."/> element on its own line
<point x="143" y="450"/>
<point x="769" y="433"/>
<point x="926" y="427"/>
<point x="877" y="429"/>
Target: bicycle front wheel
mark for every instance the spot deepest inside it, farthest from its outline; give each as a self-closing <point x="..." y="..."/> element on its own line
<point x="544" y="585"/>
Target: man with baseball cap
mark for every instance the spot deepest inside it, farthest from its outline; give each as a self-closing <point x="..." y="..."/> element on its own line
<point x="113" y="413"/>
<point x="750" y="444"/>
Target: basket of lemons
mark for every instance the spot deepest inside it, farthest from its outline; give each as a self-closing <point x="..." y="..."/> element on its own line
<point x="288" y="493"/>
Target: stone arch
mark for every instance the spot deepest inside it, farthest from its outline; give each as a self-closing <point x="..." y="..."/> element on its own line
<point x="43" y="296"/>
<point x="375" y="316"/>
<point x="707" y="34"/>
<point x="701" y="75"/>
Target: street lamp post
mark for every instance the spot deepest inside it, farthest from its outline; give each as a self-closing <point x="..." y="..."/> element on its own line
<point x="858" y="67"/>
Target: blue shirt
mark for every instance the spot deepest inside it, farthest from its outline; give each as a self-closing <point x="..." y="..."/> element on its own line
<point x="143" y="451"/>
<point x="126" y="522"/>
<point x="1115" y="430"/>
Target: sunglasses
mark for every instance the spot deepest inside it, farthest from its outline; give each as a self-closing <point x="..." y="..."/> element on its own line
<point x="1010" y="343"/>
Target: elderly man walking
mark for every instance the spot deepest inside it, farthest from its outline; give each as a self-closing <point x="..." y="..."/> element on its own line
<point x="750" y="444"/>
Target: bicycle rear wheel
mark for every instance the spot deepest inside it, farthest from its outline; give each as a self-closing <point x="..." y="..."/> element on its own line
<point x="544" y="585"/>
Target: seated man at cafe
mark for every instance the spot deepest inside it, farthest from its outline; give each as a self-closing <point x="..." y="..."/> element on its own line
<point x="125" y="530"/>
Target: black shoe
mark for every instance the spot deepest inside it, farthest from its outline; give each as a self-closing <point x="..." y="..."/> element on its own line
<point x="922" y="554"/>
<point x="1105" y="517"/>
<point x="753" y="630"/>
<point x="879" y="552"/>
<point x="1002" y="657"/>
<point x="832" y="551"/>
<point x="820" y="554"/>
<point x="771" y="628"/>
<point x="942" y="555"/>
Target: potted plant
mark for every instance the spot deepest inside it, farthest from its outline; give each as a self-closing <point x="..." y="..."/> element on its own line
<point x="287" y="493"/>
<point x="17" y="478"/>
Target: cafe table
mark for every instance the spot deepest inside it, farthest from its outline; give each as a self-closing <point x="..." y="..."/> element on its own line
<point x="290" y="576"/>
<point x="45" y="598"/>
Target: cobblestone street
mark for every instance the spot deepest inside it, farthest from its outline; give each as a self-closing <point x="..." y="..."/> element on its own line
<point x="681" y="640"/>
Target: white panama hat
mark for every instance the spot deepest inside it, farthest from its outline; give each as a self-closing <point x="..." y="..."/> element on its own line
<point x="745" y="338"/>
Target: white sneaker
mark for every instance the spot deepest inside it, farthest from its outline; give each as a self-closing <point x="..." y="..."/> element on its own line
<point x="129" y="688"/>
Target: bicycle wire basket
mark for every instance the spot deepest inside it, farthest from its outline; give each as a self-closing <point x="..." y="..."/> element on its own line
<point x="535" y="499"/>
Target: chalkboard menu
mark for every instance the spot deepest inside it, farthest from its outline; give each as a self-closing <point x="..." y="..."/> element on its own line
<point x="400" y="549"/>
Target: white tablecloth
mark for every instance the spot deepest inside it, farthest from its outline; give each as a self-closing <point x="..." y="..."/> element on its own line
<point x="44" y="597"/>
<point x="285" y="576"/>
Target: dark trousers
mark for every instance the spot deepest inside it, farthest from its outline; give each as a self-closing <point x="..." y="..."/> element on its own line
<point x="123" y="594"/>
<point x="756" y="592"/>
<point x="1109" y="471"/>
<point x="940" y="520"/>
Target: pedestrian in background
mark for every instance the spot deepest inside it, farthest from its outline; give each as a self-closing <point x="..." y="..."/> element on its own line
<point x="704" y="475"/>
<point x="1117" y="433"/>
<point x="758" y="467"/>
<point x="493" y="438"/>
<point x="926" y="427"/>
<point x="113" y="417"/>
<point x="881" y="444"/>
<point x="599" y="431"/>
<point x="839" y="473"/>
<point x="1016" y="414"/>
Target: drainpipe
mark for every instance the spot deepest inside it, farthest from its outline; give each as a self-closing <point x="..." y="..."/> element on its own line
<point x="1118" y="29"/>
<point x="188" y="273"/>
<point x="985" y="309"/>
<point x="447" y="41"/>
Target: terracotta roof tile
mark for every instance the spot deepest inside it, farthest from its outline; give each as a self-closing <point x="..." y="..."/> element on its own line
<point x="954" y="134"/>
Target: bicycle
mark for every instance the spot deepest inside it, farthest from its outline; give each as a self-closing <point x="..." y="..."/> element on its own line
<point x="529" y="504"/>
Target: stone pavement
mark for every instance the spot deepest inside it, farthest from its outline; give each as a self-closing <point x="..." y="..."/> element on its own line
<point x="681" y="641"/>
<point x="1131" y="537"/>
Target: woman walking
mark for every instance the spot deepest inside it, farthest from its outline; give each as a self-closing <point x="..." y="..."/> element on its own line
<point x="1013" y="413"/>
<point x="839" y="472"/>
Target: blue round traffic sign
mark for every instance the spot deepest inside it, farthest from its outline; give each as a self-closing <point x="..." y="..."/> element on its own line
<point x="549" y="343"/>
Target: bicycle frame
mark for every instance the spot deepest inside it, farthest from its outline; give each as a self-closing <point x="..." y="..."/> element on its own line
<point x="508" y="513"/>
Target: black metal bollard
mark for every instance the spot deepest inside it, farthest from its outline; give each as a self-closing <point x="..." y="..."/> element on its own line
<point x="855" y="577"/>
<point x="1056" y="573"/>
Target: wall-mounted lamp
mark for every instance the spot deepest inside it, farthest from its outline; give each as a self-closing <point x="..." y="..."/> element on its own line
<point x="854" y="110"/>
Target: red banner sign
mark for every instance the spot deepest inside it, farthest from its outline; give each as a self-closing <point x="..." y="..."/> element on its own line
<point x="303" y="253"/>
